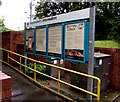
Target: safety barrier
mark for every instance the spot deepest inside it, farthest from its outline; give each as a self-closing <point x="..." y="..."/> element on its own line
<point x="56" y="79"/>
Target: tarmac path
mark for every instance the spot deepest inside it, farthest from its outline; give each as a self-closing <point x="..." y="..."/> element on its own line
<point x="24" y="90"/>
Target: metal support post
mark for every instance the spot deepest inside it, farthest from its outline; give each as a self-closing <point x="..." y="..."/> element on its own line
<point x="91" y="51"/>
<point x="58" y="80"/>
<point x="25" y="62"/>
<point x="34" y="71"/>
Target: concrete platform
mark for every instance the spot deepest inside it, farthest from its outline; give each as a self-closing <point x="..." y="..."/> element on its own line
<point x="24" y="90"/>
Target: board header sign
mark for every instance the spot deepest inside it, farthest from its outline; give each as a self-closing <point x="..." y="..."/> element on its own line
<point x="76" y="15"/>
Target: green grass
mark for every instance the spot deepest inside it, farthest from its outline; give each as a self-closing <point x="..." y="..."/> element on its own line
<point x="107" y="44"/>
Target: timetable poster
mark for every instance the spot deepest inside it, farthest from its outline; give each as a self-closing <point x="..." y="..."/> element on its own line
<point x="40" y="40"/>
<point x="54" y="45"/>
<point x="30" y="40"/>
<point x="74" y="41"/>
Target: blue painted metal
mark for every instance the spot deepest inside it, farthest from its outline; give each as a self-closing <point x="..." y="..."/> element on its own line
<point x="85" y="43"/>
<point x="34" y="51"/>
<point x="47" y="32"/>
<point x="84" y="53"/>
<point x="62" y="46"/>
<point x="87" y="48"/>
<point x="64" y="41"/>
<point x="73" y="60"/>
<point x="54" y="57"/>
<point x="40" y="54"/>
<point x="35" y="54"/>
<point x="43" y="26"/>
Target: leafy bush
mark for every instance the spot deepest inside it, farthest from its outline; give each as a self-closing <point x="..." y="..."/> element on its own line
<point x="28" y="71"/>
<point x="40" y="68"/>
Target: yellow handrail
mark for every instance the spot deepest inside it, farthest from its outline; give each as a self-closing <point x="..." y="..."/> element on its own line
<point x="59" y="81"/>
<point x="34" y="71"/>
<point x="59" y="68"/>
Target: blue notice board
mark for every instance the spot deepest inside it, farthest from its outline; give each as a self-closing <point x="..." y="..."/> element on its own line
<point x="67" y="41"/>
<point x="76" y="41"/>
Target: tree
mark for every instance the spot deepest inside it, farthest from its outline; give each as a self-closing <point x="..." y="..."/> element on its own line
<point x="2" y="25"/>
<point x="42" y="10"/>
<point x="107" y="15"/>
<point x="107" y="21"/>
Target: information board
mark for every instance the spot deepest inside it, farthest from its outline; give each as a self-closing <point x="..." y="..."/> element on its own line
<point x="54" y="43"/>
<point x="30" y="40"/>
<point x="74" y="40"/>
<point x="40" y="40"/>
<point x="64" y="36"/>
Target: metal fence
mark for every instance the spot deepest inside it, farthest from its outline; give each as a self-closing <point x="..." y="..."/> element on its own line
<point x="56" y="79"/>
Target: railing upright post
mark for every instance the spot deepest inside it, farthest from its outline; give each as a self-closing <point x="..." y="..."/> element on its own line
<point x="8" y="57"/>
<point x="58" y="80"/>
<point x="20" y="63"/>
<point x="98" y="91"/>
<point x="34" y="71"/>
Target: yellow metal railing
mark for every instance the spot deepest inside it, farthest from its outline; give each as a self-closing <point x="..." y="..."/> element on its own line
<point x="58" y="80"/>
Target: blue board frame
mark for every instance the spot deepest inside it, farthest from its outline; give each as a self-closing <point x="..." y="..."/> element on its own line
<point x="86" y="41"/>
<point x="62" y="35"/>
<point x="34" y="50"/>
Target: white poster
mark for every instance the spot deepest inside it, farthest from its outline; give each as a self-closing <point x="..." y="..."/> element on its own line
<point x="74" y="39"/>
<point x="55" y="33"/>
<point x="74" y="36"/>
<point x="41" y="39"/>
